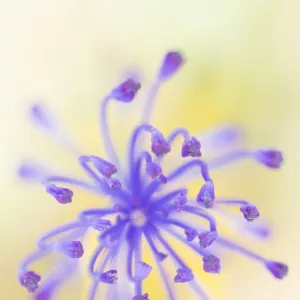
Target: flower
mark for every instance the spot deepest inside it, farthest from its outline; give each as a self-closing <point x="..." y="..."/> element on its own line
<point x="141" y="214"/>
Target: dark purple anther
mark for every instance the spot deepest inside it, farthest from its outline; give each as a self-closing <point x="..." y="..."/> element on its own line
<point x="159" y="146"/>
<point x="100" y="224"/>
<point x="183" y="275"/>
<point x="279" y="270"/>
<point x="73" y="249"/>
<point x="250" y="212"/>
<point x="109" y="277"/>
<point x="30" y="280"/>
<point x="190" y="234"/>
<point x="114" y="183"/>
<point x="153" y="170"/>
<point x="270" y="158"/>
<point x="180" y="202"/>
<point x="206" y="238"/>
<point x="126" y="91"/>
<point x="171" y="63"/>
<point x="104" y="167"/>
<point x="206" y="195"/>
<point x="141" y="297"/>
<point x="211" y="264"/>
<point x="62" y="195"/>
<point x="190" y="147"/>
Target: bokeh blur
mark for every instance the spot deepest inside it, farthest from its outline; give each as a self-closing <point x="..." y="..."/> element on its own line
<point x="243" y="66"/>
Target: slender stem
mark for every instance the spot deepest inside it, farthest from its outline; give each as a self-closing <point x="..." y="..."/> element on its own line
<point x="146" y="116"/>
<point x="159" y="264"/>
<point x="108" y="144"/>
<point x="201" y="213"/>
<point x="231" y="202"/>
<point x="179" y="172"/>
<point x="77" y="182"/>
<point x="93" y="259"/>
<point x="229" y="158"/>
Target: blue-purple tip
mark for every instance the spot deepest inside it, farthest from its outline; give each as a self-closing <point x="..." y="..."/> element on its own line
<point x="30" y="280"/>
<point x="250" y="212"/>
<point x="62" y="195"/>
<point x="183" y="275"/>
<point x="211" y="264"/>
<point x="270" y="158"/>
<point x="190" y="234"/>
<point x="73" y="249"/>
<point x="206" y="195"/>
<point x="126" y="91"/>
<point x="171" y="64"/>
<point x="206" y="238"/>
<point x="279" y="270"/>
<point x="190" y="147"/>
<point x="110" y="277"/>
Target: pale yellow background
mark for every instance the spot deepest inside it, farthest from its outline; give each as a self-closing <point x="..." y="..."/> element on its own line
<point x="243" y="65"/>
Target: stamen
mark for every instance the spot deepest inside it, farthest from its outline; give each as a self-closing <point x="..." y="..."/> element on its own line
<point x="106" y="168"/>
<point x="142" y="270"/>
<point x="73" y="249"/>
<point x="180" y="202"/>
<point x="190" y="234"/>
<point x="206" y="195"/>
<point x="171" y="64"/>
<point x="30" y="280"/>
<point x="159" y="146"/>
<point x="190" y="146"/>
<point x="250" y="212"/>
<point x="114" y="183"/>
<point x="279" y="270"/>
<point x="211" y="264"/>
<point x="141" y="297"/>
<point x="206" y="238"/>
<point x="126" y="91"/>
<point x="183" y="275"/>
<point x="110" y="277"/>
<point x="62" y="195"/>
<point x="270" y="158"/>
<point x="100" y="224"/>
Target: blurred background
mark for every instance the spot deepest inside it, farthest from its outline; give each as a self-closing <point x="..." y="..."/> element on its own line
<point x="243" y="66"/>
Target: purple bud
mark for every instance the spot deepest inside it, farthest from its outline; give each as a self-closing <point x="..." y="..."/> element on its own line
<point x="153" y="170"/>
<point x="62" y="195"/>
<point x="30" y="280"/>
<point x="180" y="202"/>
<point x="190" y="147"/>
<point x="183" y="275"/>
<point x="211" y="264"/>
<point x="109" y="277"/>
<point x="141" y="297"/>
<point x="161" y="256"/>
<point x="159" y="146"/>
<point x="104" y="167"/>
<point x="171" y="63"/>
<point x="279" y="270"/>
<point x="100" y="224"/>
<point x="190" y="234"/>
<point x="114" y="183"/>
<point x="206" y="195"/>
<point x="73" y="249"/>
<point x="126" y="91"/>
<point x="270" y="158"/>
<point x="250" y="212"/>
<point x="206" y="238"/>
<point x="142" y="270"/>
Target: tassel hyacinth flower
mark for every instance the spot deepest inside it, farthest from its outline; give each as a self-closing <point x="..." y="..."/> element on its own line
<point x="140" y="210"/>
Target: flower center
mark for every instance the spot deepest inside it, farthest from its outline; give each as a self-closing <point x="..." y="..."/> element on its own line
<point x="138" y="218"/>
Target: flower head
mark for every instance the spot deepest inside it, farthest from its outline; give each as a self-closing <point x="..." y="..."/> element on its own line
<point x="141" y="208"/>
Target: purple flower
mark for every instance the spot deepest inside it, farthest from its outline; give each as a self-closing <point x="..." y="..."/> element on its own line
<point x="141" y="209"/>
